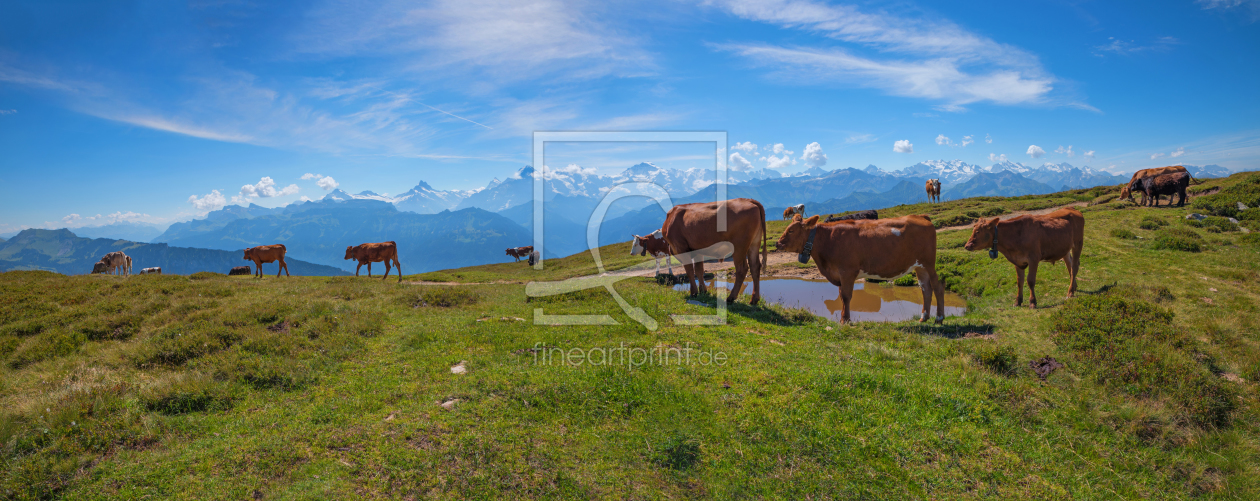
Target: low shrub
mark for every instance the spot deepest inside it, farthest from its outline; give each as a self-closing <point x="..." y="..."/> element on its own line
<point x="906" y="280"/>
<point x="179" y="344"/>
<point x="1251" y="214"/>
<point x="1252" y="238"/>
<point x="1220" y="224"/>
<point x="1122" y="233"/>
<point x="677" y="451"/>
<point x="1000" y="360"/>
<point x="1225" y="203"/>
<point x="946" y="220"/>
<point x="1134" y="346"/>
<point x="1179" y="239"/>
<point x="183" y="395"/>
<point x="203" y="275"/>
<point x="444" y="297"/>
<point x="48" y="345"/>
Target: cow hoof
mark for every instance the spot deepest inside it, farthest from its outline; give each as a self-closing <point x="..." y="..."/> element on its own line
<point x="940" y="321"/>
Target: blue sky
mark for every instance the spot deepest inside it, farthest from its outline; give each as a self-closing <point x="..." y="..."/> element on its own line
<point x="128" y="109"/>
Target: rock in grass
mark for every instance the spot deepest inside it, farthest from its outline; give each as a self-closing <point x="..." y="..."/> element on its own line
<point x="459" y="368"/>
<point x="449" y="403"/>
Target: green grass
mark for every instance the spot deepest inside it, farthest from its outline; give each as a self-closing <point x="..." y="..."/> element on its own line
<point x="330" y="388"/>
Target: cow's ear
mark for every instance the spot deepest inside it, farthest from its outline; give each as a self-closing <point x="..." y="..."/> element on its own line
<point x="797" y="218"/>
<point x="813" y="220"/>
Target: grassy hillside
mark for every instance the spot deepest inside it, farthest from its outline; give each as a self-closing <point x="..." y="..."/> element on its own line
<point x="174" y="387"/>
<point x="63" y="252"/>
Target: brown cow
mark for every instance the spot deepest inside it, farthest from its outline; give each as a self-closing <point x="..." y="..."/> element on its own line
<point x="241" y="270"/>
<point x="375" y="253"/>
<point x="794" y="210"/>
<point x="520" y="252"/>
<point x="1027" y="241"/>
<point x="117" y="262"/>
<point x="693" y="227"/>
<point x="267" y="254"/>
<point x="933" y="189"/>
<point x="100" y="267"/>
<point x="1126" y="193"/>
<point x="884" y="249"/>
<point x="655" y="245"/>
<point x="1172" y="183"/>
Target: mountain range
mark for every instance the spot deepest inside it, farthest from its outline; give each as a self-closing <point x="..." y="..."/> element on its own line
<point x="64" y="252"/>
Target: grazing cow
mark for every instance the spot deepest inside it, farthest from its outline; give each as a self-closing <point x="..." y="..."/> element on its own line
<point x="1172" y="183"/>
<point x="100" y="267"/>
<point x="534" y="257"/>
<point x="693" y="227"/>
<point x="117" y="263"/>
<point x="655" y="245"/>
<point x="866" y="214"/>
<point x="268" y="254"/>
<point x="241" y="270"/>
<point x="157" y="270"/>
<point x="375" y="253"/>
<point x="793" y="210"/>
<point x="884" y="249"/>
<point x="520" y="252"/>
<point x="1126" y="193"/>
<point x="933" y="188"/>
<point x="1027" y="241"/>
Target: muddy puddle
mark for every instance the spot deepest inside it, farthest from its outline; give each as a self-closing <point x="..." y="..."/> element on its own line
<point x="870" y="303"/>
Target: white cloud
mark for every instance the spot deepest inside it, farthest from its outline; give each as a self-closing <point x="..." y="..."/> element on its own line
<point x="1156" y="155"/>
<point x="903" y="146"/>
<point x="942" y="140"/>
<point x="1089" y="154"/>
<point x="1035" y="151"/>
<point x="966" y="141"/>
<point x="1065" y="151"/>
<point x="988" y="139"/>
<point x="7" y="112"/>
<point x="1180" y="151"/>
<point x="1121" y="47"/>
<point x="814" y="156"/>
<point x="266" y="188"/>
<point x="308" y="176"/>
<point x="773" y="162"/>
<point x="779" y="150"/>
<point x="997" y="158"/>
<point x="327" y="183"/>
<point x="211" y="201"/>
<point x="739" y="163"/>
<point x="304" y="198"/>
<point x="936" y="59"/>
<point x="746" y="147"/>
<point x="71" y="218"/>
<point x="574" y="169"/>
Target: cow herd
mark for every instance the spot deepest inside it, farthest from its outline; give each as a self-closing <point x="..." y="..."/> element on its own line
<point x="120" y="263"/>
<point x="1152" y="183"/>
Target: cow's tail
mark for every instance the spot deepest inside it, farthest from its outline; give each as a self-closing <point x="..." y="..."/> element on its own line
<point x="765" y="245"/>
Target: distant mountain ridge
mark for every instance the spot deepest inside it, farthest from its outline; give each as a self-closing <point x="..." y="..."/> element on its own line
<point x="64" y="252"/>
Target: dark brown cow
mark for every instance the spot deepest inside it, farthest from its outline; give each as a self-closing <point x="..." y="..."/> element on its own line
<point x="693" y="227"/>
<point x="1027" y="241"/>
<point x="100" y="267"/>
<point x="653" y="244"/>
<point x="375" y="253"/>
<point x="866" y="214"/>
<point x="520" y="252"/>
<point x="1172" y="183"/>
<point x="884" y="249"/>
<point x="241" y="270"/>
<point x="1127" y="194"/>
<point x="933" y="189"/>
<point x="267" y="254"/>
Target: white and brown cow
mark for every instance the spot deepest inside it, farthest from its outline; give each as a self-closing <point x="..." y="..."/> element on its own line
<point x="845" y="251"/>
<point x="653" y="244"/>
<point x="117" y="263"/>
<point x="156" y="270"/>
<point x="795" y="210"/>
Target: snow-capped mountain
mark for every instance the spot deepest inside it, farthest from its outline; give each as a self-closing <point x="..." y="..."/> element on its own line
<point x="1060" y="176"/>
<point x="948" y="171"/>
<point x="423" y="199"/>
<point x="813" y="172"/>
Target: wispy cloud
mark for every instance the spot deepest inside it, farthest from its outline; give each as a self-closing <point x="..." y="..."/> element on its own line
<point x="935" y="59"/>
<point x="1251" y="6"/>
<point x="1124" y="48"/>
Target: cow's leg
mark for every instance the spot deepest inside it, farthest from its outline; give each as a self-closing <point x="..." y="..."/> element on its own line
<point x="386" y="271"/>
<point x="369" y="269"/>
<point x="925" y="285"/>
<point x="357" y="268"/>
<point x="741" y="271"/>
<point x="1073" y="264"/>
<point x="258" y="269"/>
<point x="700" y="275"/>
<point x="690" y="269"/>
<point x="1019" y="285"/>
<point x="846" y="295"/>
<point x="1032" y="283"/>
<point x="754" y="266"/>
<point x="398" y="265"/>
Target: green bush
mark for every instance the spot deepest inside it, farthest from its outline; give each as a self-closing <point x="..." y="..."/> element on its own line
<point x="1122" y="233"/>
<point x="46" y="346"/>
<point x="203" y="275"/>
<point x="947" y="220"/>
<point x="906" y="280"/>
<point x="1179" y="239"/>
<point x="1221" y="224"/>
<point x="1251" y="214"/>
<point x="994" y="211"/>
<point x="1134" y="346"/>
<point x="1000" y="360"/>
<point x="1225" y="203"/>
<point x="444" y="297"/>
<point x="677" y="451"/>
<point x="185" y="395"/>
<point x="1252" y="238"/>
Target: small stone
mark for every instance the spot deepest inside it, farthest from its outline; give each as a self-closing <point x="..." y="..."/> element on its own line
<point x="828" y="327"/>
<point x="1242" y="206"/>
<point x="450" y="403"/>
<point x="1213" y="289"/>
<point x="391" y="416"/>
<point x="459" y="368"/>
<point x="1207" y="300"/>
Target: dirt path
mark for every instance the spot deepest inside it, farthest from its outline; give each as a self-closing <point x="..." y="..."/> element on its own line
<point x="1004" y="217"/>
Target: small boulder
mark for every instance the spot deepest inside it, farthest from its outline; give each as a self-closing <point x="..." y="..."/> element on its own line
<point x="1242" y="206"/>
<point x="1196" y="216"/>
<point x="459" y="368"/>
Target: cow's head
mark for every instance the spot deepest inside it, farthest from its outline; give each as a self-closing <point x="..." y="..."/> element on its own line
<point x="349" y="252"/>
<point x="793" y="238"/>
<point x="636" y="246"/>
<point x="981" y="234"/>
<point x="248" y="252"/>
